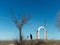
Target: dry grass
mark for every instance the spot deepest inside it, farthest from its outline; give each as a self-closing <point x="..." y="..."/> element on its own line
<point x="33" y="42"/>
<point x="42" y="42"/>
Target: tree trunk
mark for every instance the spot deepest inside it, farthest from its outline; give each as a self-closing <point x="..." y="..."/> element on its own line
<point x="20" y="35"/>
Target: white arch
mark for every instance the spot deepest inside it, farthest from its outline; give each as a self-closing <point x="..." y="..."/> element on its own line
<point x="41" y="28"/>
<point x="38" y="32"/>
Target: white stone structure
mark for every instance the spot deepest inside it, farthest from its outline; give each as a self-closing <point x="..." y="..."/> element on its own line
<point x="38" y="33"/>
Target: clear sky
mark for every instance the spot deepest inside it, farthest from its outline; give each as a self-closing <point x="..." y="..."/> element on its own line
<point x="39" y="11"/>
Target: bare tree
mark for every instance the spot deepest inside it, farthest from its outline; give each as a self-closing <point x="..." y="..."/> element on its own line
<point x="19" y="23"/>
<point x="58" y="20"/>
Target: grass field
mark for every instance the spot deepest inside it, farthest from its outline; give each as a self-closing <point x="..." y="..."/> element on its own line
<point x="33" y="42"/>
<point x="42" y="42"/>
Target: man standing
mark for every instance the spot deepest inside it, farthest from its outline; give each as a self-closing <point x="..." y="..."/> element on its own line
<point x="31" y="36"/>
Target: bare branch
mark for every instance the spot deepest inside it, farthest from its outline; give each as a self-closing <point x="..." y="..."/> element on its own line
<point x="19" y="23"/>
<point x="13" y="17"/>
<point x="58" y="19"/>
<point x="25" y="19"/>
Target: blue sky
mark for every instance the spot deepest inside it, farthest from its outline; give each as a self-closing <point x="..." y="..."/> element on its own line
<point x="39" y="10"/>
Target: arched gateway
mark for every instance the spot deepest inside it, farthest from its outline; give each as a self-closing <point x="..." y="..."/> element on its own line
<point x="38" y="33"/>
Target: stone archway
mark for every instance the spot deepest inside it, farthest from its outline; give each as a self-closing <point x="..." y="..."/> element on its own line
<point x="45" y="33"/>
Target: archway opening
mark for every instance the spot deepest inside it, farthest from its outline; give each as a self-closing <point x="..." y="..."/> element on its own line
<point x="42" y="34"/>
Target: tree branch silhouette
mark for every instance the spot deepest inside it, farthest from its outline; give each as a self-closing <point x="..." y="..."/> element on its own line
<point x="19" y="23"/>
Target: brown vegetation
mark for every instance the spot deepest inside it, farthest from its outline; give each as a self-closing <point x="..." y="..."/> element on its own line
<point x="33" y="42"/>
